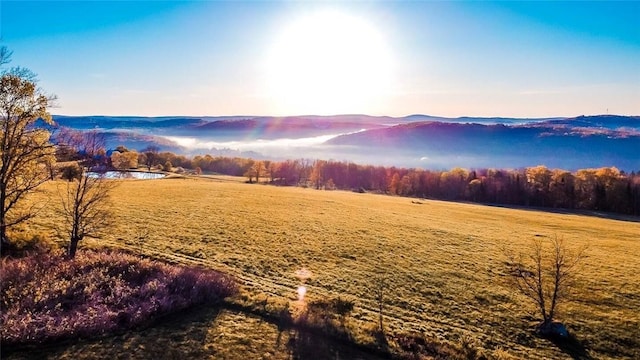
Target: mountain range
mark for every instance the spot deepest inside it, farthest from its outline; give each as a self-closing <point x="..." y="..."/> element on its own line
<point x="414" y="141"/>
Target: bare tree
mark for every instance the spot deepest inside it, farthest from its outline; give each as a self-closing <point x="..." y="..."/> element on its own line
<point x="86" y="208"/>
<point x="5" y="55"/>
<point x="88" y="147"/>
<point x="85" y="202"/>
<point x="25" y="149"/>
<point x="545" y="275"/>
<point x="379" y="291"/>
<point x="151" y="156"/>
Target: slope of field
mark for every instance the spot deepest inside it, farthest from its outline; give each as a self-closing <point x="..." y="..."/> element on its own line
<point x="443" y="262"/>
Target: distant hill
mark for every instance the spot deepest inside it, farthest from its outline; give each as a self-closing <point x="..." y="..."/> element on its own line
<point x="123" y="122"/>
<point x="476" y="145"/>
<point x="414" y="140"/>
<point x="598" y="121"/>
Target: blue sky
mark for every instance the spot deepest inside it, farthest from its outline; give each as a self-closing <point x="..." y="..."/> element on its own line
<point x="520" y="59"/>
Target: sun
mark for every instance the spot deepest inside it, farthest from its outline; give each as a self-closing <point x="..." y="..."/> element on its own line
<point x="329" y="63"/>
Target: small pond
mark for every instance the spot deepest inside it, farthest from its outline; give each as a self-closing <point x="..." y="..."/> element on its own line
<point x="128" y="175"/>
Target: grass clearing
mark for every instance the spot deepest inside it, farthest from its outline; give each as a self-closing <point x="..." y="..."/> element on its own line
<point x="443" y="261"/>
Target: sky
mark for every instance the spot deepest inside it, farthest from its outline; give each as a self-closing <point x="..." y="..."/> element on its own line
<point x="395" y="58"/>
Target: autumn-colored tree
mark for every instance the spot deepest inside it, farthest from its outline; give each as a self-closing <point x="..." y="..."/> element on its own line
<point x="539" y="181"/>
<point x="125" y="160"/>
<point x="273" y="170"/>
<point x="25" y="149"/>
<point x="394" y="185"/>
<point x="258" y="170"/>
<point x="317" y="173"/>
<point x="453" y="183"/>
<point x="475" y="189"/>
<point x="585" y="184"/>
<point x="287" y="172"/>
<point x="610" y="189"/>
<point x="562" y="189"/>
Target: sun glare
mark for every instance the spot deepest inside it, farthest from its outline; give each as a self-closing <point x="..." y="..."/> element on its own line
<point x="329" y="63"/>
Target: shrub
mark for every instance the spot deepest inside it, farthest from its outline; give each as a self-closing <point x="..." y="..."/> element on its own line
<point x="28" y="242"/>
<point x="326" y="315"/>
<point x="71" y="172"/>
<point x="44" y="297"/>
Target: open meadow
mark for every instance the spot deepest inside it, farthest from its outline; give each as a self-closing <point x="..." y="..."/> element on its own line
<point x="440" y="265"/>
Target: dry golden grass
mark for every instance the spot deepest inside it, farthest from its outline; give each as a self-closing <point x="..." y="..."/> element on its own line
<point x="443" y="261"/>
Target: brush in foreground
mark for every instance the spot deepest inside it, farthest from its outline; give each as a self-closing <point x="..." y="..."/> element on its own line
<point x="45" y="297"/>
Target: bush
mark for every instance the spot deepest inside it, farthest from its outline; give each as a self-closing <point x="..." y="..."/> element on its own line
<point x="45" y="298"/>
<point x="71" y="172"/>
<point x="27" y="242"/>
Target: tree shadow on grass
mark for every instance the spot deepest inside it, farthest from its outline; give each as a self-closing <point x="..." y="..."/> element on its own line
<point x="591" y="213"/>
<point x="319" y="332"/>
<point x="179" y="335"/>
<point x="571" y="346"/>
<point x="304" y="344"/>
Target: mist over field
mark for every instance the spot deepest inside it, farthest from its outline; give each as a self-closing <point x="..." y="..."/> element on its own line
<point x="422" y="141"/>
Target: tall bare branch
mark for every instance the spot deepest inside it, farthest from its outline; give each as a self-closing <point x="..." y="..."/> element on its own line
<point x="86" y="208"/>
<point x="545" y="275"/>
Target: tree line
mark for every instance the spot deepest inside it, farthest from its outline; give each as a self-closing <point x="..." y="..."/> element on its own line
<point x="602" y="189"/>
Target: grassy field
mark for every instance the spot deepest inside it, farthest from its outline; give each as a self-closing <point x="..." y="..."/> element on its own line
<point x="442" y="263"/>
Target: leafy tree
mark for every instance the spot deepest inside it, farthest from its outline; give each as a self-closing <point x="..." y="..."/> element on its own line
<point x="25" y="149"/>
<point x="475" y="189"/>
<point x="539" y="181"/>
<point x="167" y="166"/>
<point x="585" y="185"/>
<point x="453" y="183"/>
<point x="124" y="160"/>
<point x="562" y="189"/>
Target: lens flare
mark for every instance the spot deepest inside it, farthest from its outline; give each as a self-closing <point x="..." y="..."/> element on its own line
<point x="301" y="293"/>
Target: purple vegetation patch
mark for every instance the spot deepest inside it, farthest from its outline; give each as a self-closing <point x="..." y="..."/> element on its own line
<point x="46" y="297"/>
